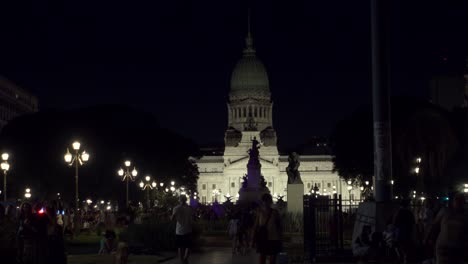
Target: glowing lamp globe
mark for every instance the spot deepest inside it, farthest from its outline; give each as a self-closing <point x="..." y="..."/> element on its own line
<point x="147" y="178"/>
<point x="5" y="166"/>
<point x="120" y="172"/>
<point x="127" y="163"/>
<point x="153" y="184"/>
<point x="85" y="156"/>
<point x="172" y="183"/>
<point x="172" y="188"/>
<point x="68" y="157"/>
<point x="76" y="145"/>
<point x="5" y="156"/>
<point x="142" y="184"/>
<point x="134" y="172"/>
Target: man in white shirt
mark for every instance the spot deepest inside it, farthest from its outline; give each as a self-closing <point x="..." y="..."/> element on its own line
<point x="183" y="214"/>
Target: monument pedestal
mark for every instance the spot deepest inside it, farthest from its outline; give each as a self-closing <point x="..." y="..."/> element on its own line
<point x="295" y="198"/>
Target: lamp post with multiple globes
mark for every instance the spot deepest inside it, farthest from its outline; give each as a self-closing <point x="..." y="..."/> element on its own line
<point x="77" y="158"/>
<point x="27" y="193"/>
<point x="5" y="167"/>
<point x="148" y="185"/>
<point x="127" y="175"/>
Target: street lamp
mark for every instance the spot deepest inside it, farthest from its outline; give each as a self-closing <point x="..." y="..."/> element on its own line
<point x="5" y="167"/>
<point x="465" y="190"/>
<point x="27" y="193"/>
<point x="147" y="185"/>
<point x="76" y="159"/>
<point x="127" y="175"/>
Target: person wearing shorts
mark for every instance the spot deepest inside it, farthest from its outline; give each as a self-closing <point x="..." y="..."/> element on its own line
<point x="183" y="215"/>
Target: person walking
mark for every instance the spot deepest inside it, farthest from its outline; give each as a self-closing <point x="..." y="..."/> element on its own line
<point x="183" y="215"/>
<point x="268" y="231"/>
<point x="404" y="221"/>
<point x="451" y="244"/>
<point x="55" y="242"/>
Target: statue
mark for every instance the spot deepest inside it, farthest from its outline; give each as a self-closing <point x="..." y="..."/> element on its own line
<point x="294" y="176"/>
<point x="253" y="152"/>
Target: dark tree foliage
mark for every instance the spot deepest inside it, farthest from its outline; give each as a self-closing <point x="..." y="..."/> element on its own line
<point x="111" y="134"/>
<point x="419" y="129"/>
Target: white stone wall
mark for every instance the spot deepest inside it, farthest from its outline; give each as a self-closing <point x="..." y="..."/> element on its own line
<point x="227" y="178"/>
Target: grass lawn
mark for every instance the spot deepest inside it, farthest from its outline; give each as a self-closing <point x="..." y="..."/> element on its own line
<point x="85" y="243"/>
<point x="109" y="259"/>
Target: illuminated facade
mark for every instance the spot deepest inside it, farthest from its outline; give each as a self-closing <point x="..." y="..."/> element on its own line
<point x="250" y="116"/>
<point x="14" y="102"/>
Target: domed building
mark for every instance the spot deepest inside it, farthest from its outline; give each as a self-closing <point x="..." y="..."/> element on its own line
<point x="250" y="110"/>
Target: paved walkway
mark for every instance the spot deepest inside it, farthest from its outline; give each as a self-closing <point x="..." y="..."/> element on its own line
<point x="220" y="255"/>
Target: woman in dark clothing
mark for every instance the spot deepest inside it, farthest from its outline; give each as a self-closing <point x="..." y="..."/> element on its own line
<point x="268" y="231"/>
<point x="55" y="242"/>
<point x="27" y="234"/>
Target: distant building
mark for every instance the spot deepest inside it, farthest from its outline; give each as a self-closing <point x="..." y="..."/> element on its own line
<point x="14" y="101"/>
<point x="250" y="116"/>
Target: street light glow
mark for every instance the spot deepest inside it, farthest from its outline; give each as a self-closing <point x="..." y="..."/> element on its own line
<point x="416" y="170"/>
<point x="148" y="178"/>
<point x="85" y="156"/>
<point x="134" y="172"/>
<point x="142" y="184"/>
<point x="154" y="184"/>
<point x="120" y="172"/>
<point x="172" y="188"/>
<point x="68" y="156"/>
<point x="127" y="163"/>
<point x="5" y="156"/>
<point x="172" y="183"/>
<point x="5" y="166"/>
<point x="76" y="145"/>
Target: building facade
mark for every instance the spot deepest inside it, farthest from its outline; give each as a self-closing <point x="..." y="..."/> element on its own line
<point x="15" y="101"/>
<point x="250" y="110"/>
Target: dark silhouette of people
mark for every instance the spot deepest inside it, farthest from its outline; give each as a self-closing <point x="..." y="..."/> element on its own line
<point x="268" y="231"/>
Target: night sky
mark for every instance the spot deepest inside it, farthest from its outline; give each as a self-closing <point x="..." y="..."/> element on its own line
<point x="174" y="58"/>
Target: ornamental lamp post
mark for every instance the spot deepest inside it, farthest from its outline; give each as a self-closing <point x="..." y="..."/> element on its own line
<point x="27" y="193"/>
<point x="148" y="186"/>
<point x="127" y="176"/>
<point x="5" y="167"/>
<point x="465" y="189"/>
<point x="76" y="159"/>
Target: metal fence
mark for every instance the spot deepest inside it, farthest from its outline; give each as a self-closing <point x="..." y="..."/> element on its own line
<point x="328" y="225"/>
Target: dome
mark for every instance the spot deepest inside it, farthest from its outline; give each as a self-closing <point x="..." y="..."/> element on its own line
<point x="249" y="78"/>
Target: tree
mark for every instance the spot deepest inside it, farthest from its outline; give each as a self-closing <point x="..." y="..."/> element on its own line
<point x="111" y="134"/>
<point x="419" y="129"/>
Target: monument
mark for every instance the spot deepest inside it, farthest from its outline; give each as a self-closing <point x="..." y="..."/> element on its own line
<point x="295" y="185"/>
<point x="253" y="186"/>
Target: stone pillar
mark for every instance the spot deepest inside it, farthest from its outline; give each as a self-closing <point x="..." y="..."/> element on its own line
<point x="296" y="198"/>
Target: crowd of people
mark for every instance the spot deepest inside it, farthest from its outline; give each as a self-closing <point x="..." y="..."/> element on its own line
<point x="31" y="235"/>
<point x="430" y="232"/>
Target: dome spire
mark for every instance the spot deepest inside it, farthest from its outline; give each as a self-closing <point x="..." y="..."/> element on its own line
<point x="249" y="49"/>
